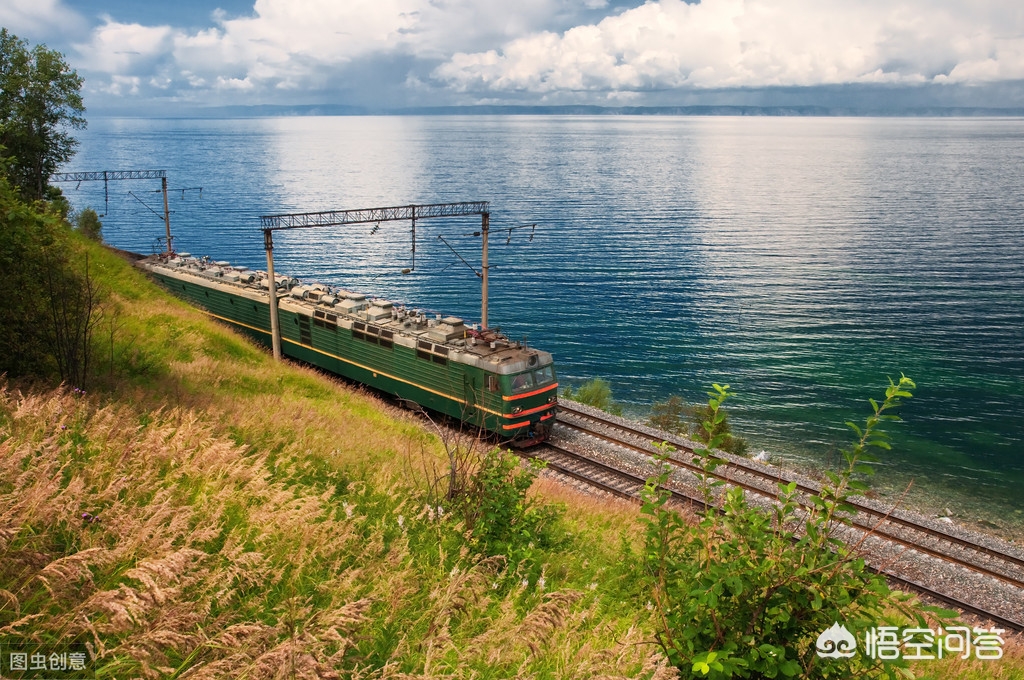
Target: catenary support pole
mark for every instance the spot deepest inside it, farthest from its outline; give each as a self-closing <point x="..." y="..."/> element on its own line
<point x="167" y="215"/>
<point x="485" y="230"/>
<point x="275" y="328"/>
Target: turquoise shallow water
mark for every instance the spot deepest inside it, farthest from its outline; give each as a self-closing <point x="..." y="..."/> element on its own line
<point x="800" y="260"/>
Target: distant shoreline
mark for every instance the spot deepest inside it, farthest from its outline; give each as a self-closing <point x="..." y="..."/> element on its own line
<point x="285" y="111"/>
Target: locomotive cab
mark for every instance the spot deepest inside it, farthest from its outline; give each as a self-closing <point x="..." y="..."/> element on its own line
<point x="530" y="399"/>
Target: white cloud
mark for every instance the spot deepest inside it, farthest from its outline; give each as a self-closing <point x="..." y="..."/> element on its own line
<point x="121" y="85"/>
<point x="543" y="49"/>
<point x="1004" y="62"/>
<point x="119" y="49"/>
<point x="36" y="20"/>
<point x="36" y="16"/>
<point x="242" y="84"/>
<point x="303" y="44"/>
<point x="756" y="43"/>
<point x="325" y="31"/>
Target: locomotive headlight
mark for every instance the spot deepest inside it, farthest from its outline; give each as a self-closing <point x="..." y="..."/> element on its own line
<point x="517" y="409"/>
<point x="552" y="399"/>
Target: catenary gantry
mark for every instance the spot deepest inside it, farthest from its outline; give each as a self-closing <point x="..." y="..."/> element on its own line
<point x="331" y="218"/>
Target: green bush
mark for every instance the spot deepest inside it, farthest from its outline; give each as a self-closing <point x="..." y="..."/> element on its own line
<point x="31" y="238"/>
<point x="596" y="393"/>
<point x="483" y="494"/>
<point x="88" y="223"/>
<point x="676" y="416"/>
<point x="744" y="593"/>
<point x="668" y="415"/>
<point x="497" y="512"/>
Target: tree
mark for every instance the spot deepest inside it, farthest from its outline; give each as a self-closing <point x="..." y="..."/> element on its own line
<point x="31" y="235"/>
<point x="40" y="98"/>
<point x="88" y="223"/>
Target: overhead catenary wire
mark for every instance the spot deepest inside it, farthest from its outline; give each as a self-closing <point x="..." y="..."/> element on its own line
<point x="159" y="216"/>
<point x="182" y="190"/>
<point x="442" y="239"/>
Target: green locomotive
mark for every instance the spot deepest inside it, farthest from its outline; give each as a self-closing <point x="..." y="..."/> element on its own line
<point x="477" y="376"/>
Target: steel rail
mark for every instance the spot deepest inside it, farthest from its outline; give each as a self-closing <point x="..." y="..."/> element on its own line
<point x="633" y="479"/>
<point x="909" y="584"/>
<point x="577" y="474"/>
<point x="866" y="528"/>
<point x="900" y="581"/>
<point x="861" y="508"/>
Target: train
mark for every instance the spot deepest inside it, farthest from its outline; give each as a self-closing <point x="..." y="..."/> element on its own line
<point x="474" y="375"/>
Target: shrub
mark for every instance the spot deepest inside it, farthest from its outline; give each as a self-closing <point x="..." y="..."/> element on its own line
<point x="746" y="594"/>
<point x="485" y="493"/>
<point x="53" y="301"/>
<point x="497" y="512"/>
<point x="596" y="393"/>
<point x="88" y="223"/>
<point x="668" y="415"/>
<point x="676" y="416"/>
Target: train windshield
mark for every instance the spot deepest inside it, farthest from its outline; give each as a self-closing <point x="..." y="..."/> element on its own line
<point x="522" y="382"/>
<point x="536" y="378"/>
<point x="544" y="375"/>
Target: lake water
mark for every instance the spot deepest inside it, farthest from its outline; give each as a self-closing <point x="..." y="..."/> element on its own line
<point x="800" y="260"/>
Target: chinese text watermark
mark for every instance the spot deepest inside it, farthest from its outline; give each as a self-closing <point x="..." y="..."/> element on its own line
<point x="891" y="642"/>
<point x="57" y="662"/>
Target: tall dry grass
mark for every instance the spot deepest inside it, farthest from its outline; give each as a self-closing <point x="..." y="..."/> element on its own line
<point x="172" y="550"/>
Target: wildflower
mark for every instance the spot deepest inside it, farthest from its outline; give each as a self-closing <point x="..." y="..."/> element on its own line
<point x="540" y="582"/>
<point x="440" y="511"/>
<point x="455" y="571"/>
<point x="494" y="586"/>
<point x="525" y="582"/>
<point x="348" y="509"/>
<point x="430" y="512"/>
<point x="401" y="522"/>
<point x="650" y="607"/>
<point x="593" y="586"/>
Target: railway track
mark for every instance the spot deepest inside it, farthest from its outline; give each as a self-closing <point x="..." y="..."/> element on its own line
<point x="610" y="479"/>
<point x="981" y="561"/>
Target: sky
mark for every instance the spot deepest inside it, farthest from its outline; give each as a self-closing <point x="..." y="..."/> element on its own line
<point x="184" y="56"/>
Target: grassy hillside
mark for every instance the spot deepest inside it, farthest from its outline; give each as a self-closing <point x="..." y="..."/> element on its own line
<point x="205" y="512"/>
<point x="202" y="511"/>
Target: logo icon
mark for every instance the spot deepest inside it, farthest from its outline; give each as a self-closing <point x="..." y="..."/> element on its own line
<point x="836" y="642"/>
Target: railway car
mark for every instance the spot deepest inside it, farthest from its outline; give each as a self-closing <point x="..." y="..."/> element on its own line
<point x="475" y="375"/>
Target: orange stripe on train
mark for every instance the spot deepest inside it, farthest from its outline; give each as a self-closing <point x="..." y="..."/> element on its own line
<point x="520" y="414"/>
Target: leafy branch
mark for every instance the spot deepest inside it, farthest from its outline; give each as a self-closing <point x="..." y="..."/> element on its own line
<point x="744" y="593"/>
